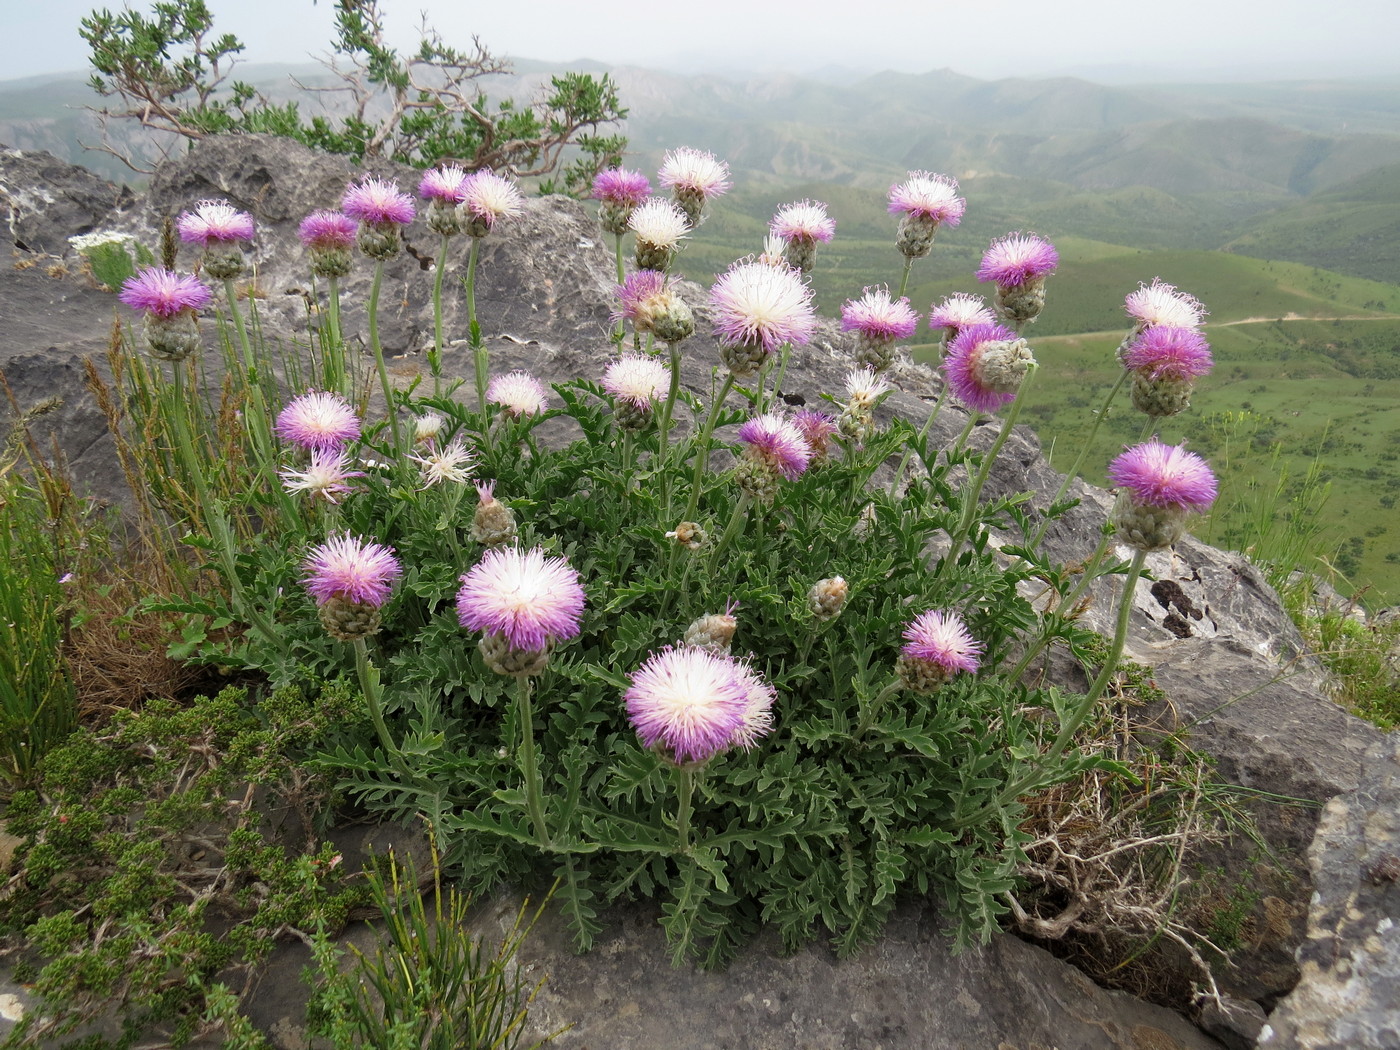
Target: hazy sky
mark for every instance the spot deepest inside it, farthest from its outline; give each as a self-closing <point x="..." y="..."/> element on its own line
<point x="1112" y="40"/>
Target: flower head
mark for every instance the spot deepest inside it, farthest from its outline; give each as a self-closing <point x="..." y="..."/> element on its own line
<point x="163" y="293"/>
<point x="620" y="186"/>
<point x="637" y="294"/>
<point x="214" y="221"/>
<point x="757" y="720"/>
<point x="659" y="223"/>
<point x="758" y="305"/>
<point x="957" y="311"/>
<point x="1160" y="303"/>
<point x="451" y="464"/>
<point x="1018" y="258"/>
<point x="327" y="230"/>
<point x="443" y="184"/>
<point x="817" y="429"/>
<point x="530" y="600"/>
<point x="427" y="427"/>
<point x="326" y="475"/>
<point x="778" y="444"/>
<point x="865" y="388"/>
<point x="690" y="701"/>
<point x="876" y="316"/>
<point x="1158" y="475"/>
<point x="803" y="221"/>
<point x="352" y="570"/>
<point x="943" y="639"/>
<point x="377" y="202"/>
<point x="963" y="367"/>
<point x="519" y="393"/>
<point x="318" y="420"/>
<point x="488" y="197"/>
<point x="1161" y="352"/>
<point x="928" y="196"/>
<point x="637" y="379"/>
<point x="694" y="171"/>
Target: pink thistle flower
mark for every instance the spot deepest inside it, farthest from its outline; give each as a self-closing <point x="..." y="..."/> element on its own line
<point x="318" y="421"/>
<point x="620" y="186"/>
<point x="958" y="311"/>
<point x="636" y="293"/>
<point x="864" y="388"/>
<point x="876" y="316"/>
<point x="942" y="638"/>
<point x="929" y="197"/>
<point x="1018" y="258"/>
<point x="530" y="600"/>
<point x="804" y="221"/>
<point x="659" y="226"/>
<point x="694" y="171"/>
<point x="637" y="380"/>
<point x="519" y="393"/>
<point x="454" y="464"/>
<point x="817" y="429"/>
<point x="1164" y="476"/>
<point x="757" y="721"/>
<point x="214" y="221"/>
<point x="488" y="197"/>
<point x="444" y="184"/>
<point x="1167" y="353"/>
<point x="163" y="293"/>
<point x="377" y="202"/>
<point x="327" y="230"/>
<point x="777" y="443"/>
<point x="352" y="570"/>
<point x="963" y="367"/>
<point x="326" y="475"/>
<point x="1161" y="304"/>
<point x="690" y="701"/>
<point x="765" y="306"/>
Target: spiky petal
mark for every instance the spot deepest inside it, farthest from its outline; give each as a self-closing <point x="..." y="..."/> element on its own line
<point x="525" y="597"/>
<point x="215" y="220"/>
<point x="689" y="701"/>
<point x="957" y="311"/>
<point x="963" y="367"/>
<point x="327" y="475"/>
<point x="1158" y="475"/>
<point x="318" y="420"/>
<point x="775" y="442"/>
<point x="377" y="201"/>
<point x="637" y="379"/>
<point x="351" y="569"/>
<point x="163" y="293"/>
<point x="1161" y="352"/>
<point x="1017" y="259"/>
<point x="621" y="186"/>
<point x="486" y="199"/>
<point x="877" y="316"/>
<point x="764" y="306"/>
<point x="803" y="221"/>
<point x="519" y="393"/>
<point x="942" y="638"/>
<point x="443" y="184"/>
<point x="927" y="196"/>
<point x="1160" y="303"/>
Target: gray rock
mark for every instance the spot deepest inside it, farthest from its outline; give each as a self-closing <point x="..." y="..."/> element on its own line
<point x="44" y="201"/>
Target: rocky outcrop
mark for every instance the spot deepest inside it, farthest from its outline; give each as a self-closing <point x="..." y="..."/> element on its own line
<point x="1218" y="641"/>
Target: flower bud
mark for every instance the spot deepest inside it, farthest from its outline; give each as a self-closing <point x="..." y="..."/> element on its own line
<point x="688" y="535"/>
<point x="503" y="658"/>
<point x="493" y="524"/>
<point x="827" y="598"/>
<point x="346" y="620"/>
<point x="714" y="632"/>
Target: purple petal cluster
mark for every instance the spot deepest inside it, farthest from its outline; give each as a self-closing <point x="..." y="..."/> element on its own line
<point x="1017" y="258"/>
<point x="519" y="393"/>
<point x="327" y="475"/>
<point x="925" y="195"/>
<point x="756" y="304"/>
<point x="318" y="420"/>
<point x="490" y="197"/>
<point x="876" y="316"/>
<point x="696" y="703"/>
<point x="1169" y="353"/>
<point x="634" y="293"/>
<point x="444" y="184"/>
<point x="214" y="221"/>
<point x="1160" y="303"/>
<point x="163" y="293"/>
<point x="529" y="599"/>
<point x="351" y="569"/>
<point x="695" y="170"/>
<point x="959" y="310"/>
<point x="620" y="186"/>
<point x="805" y="222"/>
<point x="327" y="230"/>
<point x="1158" y="475"/>
<point x="777" y="442"/>
<point x="637" y="379"/>
<point x="377" y="202"/>
<point x="961" y="366"/>
<point x="817" y="429"/>
<point x="942" y="638"/>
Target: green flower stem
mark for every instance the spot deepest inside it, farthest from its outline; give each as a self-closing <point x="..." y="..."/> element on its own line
<point x="923" y="435"/>
<point x="904" y="278"/>
<point x="1083" y="451"/>
<point x="620" y="332"/>
<point x="332" y="345"/>
<point x="663" y="427"/>
<point x="529" y="765"/>
<point x="435" y="355"/>
<point x="702" y="449"/>
<point x="368" y="675"/>
<point x="685" y="793"/>
<point x="249" y="364"/>
<point x="767" y="403"/>
<point x="872" y="709"/>
<point x="1147" y="429"/>
<point x="479" y="356"/>
<point x="741" y="510"/>
<point x="972" y="416"/>
<point x="378" y="349"/>
<point x="1042" y="640"/>
<point x="973" y="494"/>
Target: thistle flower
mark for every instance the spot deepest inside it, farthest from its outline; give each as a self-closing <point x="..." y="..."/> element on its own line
<point x="937" y="645"/>
<point x="878" y="322"/>
<point x="350" y="579"/>
<point x="427" y="428"/>
<point x="864" y="388"/>
<point x="695" y="178"/>
<point x="326" y="475"/>
<point x="817" y="429"/>
<point x="688" y="702"/>
<point x="688" y="535"/>
<point x="984" y="366"/>
<point x="318" y="420"/>
<point x="170" y="302"/>
<point x="774" y="252"/>
<point x="800" y="226"/>
<point x="328" y="236"/>
<point x="924" y="202"/>
<point x="381" y="210"/>
<point x="531" y="601"/>
<point x="658" y="226"/>
<point x="714" y="631"/>
<point x="493" y="523"/>
<point x="827" y="598"/>
<point x="218" y="227"/>
<point x="451" y="464"/>
<point x="1165" y="363"/>
<point x="486" y="199"/>
<point x="956" y="312"/>
<point x="1161" y="304"/>
<point x="757" y="308"/>
<point x="519" y="393"/>
<point x="647" y="300"/>
<point x="636" y="382"/>
<point x="443" y="188"/>
<point x="1162" y="485"/>
<point x="757" y="720"/>
<point x="1019" y="264"/>
<point x="773" y="449"/>
<point x="621" y="192"/>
